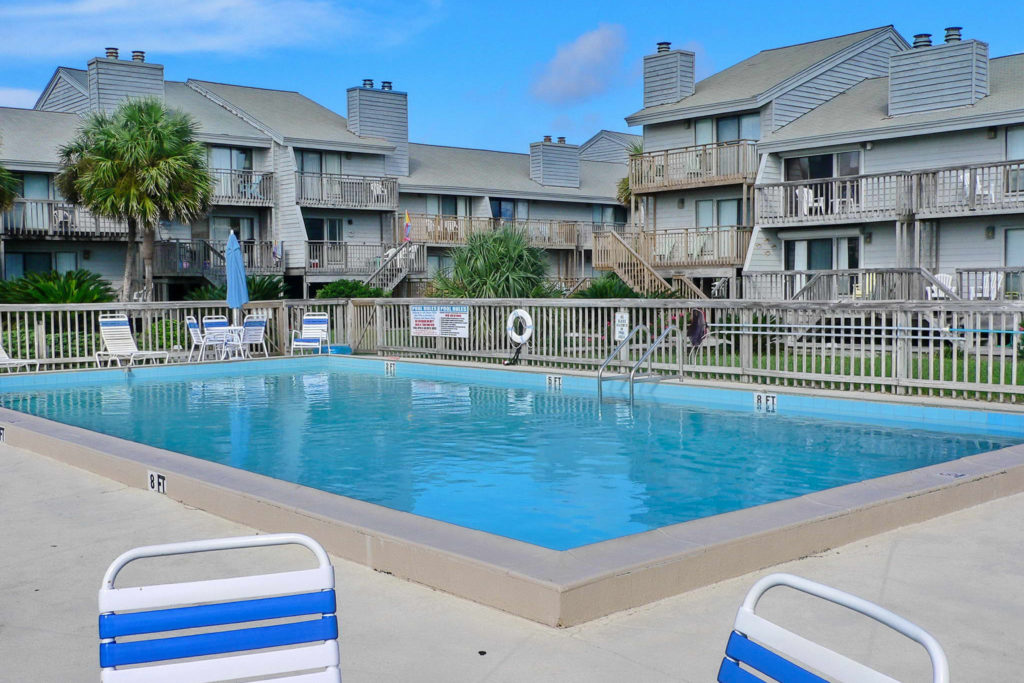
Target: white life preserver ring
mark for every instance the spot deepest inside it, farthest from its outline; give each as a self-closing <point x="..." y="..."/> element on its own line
<point x="510" y="326"/>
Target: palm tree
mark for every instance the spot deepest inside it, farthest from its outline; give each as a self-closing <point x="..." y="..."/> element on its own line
<point x="142" y="165"/>
<point x="8" y="189"/>
<point x="623" y="192"/>
<point x="495" y="265"/>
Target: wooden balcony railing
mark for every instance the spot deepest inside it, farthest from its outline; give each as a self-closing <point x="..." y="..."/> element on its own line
<point x="57" y="219"/>
<point x="989" y="284"/>
<point x="343" y="258"/>
<point x="681" y="247"/>
<point x="242" y="188"/>
<point x="455" y="230"/>
<point x="723" y="163"/>
<point x="205" y="258"/>
<point x="834" y="200"/>
<point x="867" y="284"/>
<point x="329" y="190"/>
<point x="990" y="188"/>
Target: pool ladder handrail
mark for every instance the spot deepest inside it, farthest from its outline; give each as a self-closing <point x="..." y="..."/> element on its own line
<point x="613" y="354"/>
<point x="653" y="376"/>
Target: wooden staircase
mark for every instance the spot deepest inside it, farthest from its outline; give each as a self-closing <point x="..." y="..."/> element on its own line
<point x="622" y="255"/>
<point x="394" y="268"/>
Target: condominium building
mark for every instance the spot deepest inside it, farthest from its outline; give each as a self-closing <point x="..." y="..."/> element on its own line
<point x="312" y="195"/>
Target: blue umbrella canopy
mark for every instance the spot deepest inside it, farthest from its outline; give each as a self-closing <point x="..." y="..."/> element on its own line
<point x="238" y="290"/>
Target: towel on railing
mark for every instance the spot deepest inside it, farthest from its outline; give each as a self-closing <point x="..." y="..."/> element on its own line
<point x="277" y="251"/>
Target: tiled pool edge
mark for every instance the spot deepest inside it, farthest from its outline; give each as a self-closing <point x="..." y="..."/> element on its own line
<point x="551" y="587"/>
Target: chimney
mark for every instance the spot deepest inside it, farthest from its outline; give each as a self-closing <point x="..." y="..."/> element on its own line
<point x="922" y="40"/>
<point x="668" y="75"/>
<point x="384" y="114"/>
<point x="555" y="163"/>
<point x="111" y="80"/>
<point x="930" y="77"/>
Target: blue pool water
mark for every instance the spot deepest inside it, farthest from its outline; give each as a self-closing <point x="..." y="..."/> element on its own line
<point x="558" y="470"/>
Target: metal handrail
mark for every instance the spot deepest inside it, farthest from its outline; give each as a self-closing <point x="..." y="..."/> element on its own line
<point x="615" y="352"/>
<point x="646" y="356"/>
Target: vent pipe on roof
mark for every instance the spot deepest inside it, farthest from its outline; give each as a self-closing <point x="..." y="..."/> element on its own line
<point x="111" y="53"/>
<point x="547" y="138"/>
<point x="138" y="56"/>
<point x="953" y="34"/>
<point x="385" y="85"/>
<point x="561" y="140"/>
<point x="367" y="82"/>
<point x="664" y="46"/>
<point x="922" y="40"/>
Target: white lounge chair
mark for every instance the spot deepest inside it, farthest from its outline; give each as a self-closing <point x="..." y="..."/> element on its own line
<point x="8" y="363"/>
<point x="199" y="340"/>
<point x="226" y="634"/>
<point x="313" y="334"/>
<point x="946" y="280"/>
<point x="757" y="644"/>
<point x="254" y="329"/>
<point x="116" y="333"/>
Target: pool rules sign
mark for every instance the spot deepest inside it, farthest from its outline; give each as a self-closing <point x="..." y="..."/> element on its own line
<point x="439" y="321"/>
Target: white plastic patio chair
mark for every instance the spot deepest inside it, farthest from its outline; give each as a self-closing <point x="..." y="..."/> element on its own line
<point x="116" y="333"/>
<point x="946" y="280"/>
<point x="199" y="340"/>
<point x="139" y="627"/>
<point x="8" y="363"/>
<point x="254" y="329"/>
<point x="757" y="644"/>
<point x="313" y="334"/>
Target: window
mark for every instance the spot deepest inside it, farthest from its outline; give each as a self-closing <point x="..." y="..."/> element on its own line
<point x="230" y="159"/>
<point x="503" y="208"/>
<point x="710" y="212"/>
<point x="65" y="261"/>
<point x="448" y="206"/>
<point x="819" y="254"/>
<point x="19" y="264"/>
<point x="1014" y="152"/>
<point x="604" y="213"/>
<point x="728" y="212"/>
<point x="848" y="163"/>
<point x="704" y="131"/>
<point x="728" y="129"/>
<point x="823" y="166"/>
<point x="826" y="253"/>
<point x="222" y="226"/>
<point x="705" y="213"/>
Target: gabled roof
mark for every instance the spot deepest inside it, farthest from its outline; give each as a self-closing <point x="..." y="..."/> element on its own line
<point x="861" y="113"/>
<point x="480" y="172"/>
<point x="216" y="124"/>
<point x="293" y="117"/>
<point x="77" y="78"/>
<point x="29" y="139"/>
<point x="624" y="140"/>
<point x="755" y="80"/>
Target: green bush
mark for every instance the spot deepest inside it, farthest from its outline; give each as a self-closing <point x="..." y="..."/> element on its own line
<point x="167" y="334"/>
<point x="496" y="265"/>
<point x="350" y="289"/>
<point x="261" y="288"/>
<point x="73" y="287"/>
<point x="608" y="286"/>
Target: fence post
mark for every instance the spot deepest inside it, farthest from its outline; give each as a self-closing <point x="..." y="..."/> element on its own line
<point x="901" y="349"/>
<point x="379" y="315"/>
<point x="350" y="325"/>
<point x="746" y="344"/>
<point x="282" y="325"/>
<point x="40" y="337"/>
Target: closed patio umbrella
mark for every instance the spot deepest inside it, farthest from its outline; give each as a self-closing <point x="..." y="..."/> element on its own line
<point x="238" y="290"/>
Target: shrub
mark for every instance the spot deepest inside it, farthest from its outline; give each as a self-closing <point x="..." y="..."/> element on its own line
<point x="498" y="265"/>
<point x="608" y="286"/>
<point x="261" y="288"/>
<point x="350" y="289"/>
<point x="73" y="287"/>
<point x="167" y="334"/>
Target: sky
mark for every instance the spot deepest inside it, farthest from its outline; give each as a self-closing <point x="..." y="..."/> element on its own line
<point x="479" y="74"/>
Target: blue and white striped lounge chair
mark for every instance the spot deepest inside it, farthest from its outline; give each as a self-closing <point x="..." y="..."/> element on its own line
<point x="119" y="343"/>
<point x="138" y="625"/>
<point x="313" y="334"/>
<point x="757" y="644"/>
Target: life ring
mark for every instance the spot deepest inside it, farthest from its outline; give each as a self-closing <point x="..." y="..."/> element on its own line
<point x="510" y="326"/>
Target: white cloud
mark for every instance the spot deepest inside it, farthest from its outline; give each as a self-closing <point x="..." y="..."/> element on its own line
<point x="584" y="68"/>
<point x="85" y="27"/>
<point x="18" y="97"/>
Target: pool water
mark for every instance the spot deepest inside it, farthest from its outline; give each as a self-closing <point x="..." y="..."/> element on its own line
<point x="556" y="470"/>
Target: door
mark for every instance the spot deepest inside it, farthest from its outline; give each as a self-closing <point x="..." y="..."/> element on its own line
<point x="1015" y="258"/>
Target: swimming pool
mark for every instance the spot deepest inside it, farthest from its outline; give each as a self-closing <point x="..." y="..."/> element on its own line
<point x="506" y="453"/>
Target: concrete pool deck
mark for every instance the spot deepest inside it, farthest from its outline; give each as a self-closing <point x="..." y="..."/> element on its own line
<point x="960" y="576"/>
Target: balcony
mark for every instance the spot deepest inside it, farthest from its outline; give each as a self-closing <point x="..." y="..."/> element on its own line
<point x="242" y="188"/>
<point x="725" y="163"/>
<point x="724" y="246"/>
<point x="854" y="199"/>
<point x="205" y="258"/>
<point x="331" y="191"/>
<point x="455" y="230"/>
<point x="342" y="258"/>
<point x="971" y="190"/>
<point x="57" y="219"/>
